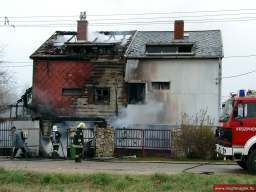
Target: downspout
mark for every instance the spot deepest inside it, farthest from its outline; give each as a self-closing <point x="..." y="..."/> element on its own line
<point x="220" y="85"/>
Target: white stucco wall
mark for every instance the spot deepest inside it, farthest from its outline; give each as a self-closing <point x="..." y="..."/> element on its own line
<point x="194" y="86"/>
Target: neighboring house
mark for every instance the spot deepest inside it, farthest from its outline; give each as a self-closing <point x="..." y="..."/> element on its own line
<point x="181" y="70"/>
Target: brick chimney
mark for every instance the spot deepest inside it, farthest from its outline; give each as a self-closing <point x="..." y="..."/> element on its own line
<point x="82" y="27"/>
<point x="179" y="29"/>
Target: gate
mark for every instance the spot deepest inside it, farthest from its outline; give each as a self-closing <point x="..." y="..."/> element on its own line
<point x="143" y="140"/>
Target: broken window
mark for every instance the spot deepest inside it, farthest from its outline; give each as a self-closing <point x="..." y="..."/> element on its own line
<point x="136" y="93"/>
<point x="169" y="49"/>
<point x="161" y="85"/>
<point x="71" y="91"/>
<point x="102" y="95"/>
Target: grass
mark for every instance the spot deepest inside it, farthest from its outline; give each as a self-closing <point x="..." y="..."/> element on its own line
<point x="14" y="181"/>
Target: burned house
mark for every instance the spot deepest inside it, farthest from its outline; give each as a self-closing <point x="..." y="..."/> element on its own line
<point x="75" y="77"/>
<point x="175" y="72"/>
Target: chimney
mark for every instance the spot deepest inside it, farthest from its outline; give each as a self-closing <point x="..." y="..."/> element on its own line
<point x="179" y="29"/>
<point x="82" y="27"/>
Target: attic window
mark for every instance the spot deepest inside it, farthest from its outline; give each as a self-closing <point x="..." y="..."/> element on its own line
<point x="161" y="85"/>
<point x="71" y="91"/>
<point x="169" y="49"/>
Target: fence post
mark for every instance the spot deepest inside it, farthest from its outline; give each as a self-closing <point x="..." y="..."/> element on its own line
<point x="142" y="143"/>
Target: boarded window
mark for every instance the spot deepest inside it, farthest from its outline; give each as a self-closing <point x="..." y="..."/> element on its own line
<point x="169" y="49"/>
<point x="71" y="91"/>
<point x="136" y="93"/>
<point x="102" y="95"/>
<point x="161" y="85"/>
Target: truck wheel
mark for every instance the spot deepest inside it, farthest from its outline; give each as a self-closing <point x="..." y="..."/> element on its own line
<point x="251" y="162"/>
<point x="242" y="164"/>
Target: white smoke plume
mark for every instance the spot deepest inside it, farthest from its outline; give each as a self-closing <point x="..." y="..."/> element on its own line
<point x="141" y="114"/>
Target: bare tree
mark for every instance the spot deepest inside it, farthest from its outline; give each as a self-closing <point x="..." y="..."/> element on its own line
<point x="7" y="90"/>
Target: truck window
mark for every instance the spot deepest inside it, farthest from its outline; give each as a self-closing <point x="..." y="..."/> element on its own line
<point x="246" y="110"/>
<point x="250" y="110"/>
<point x="226" y="110"/>
<point x="240" y="112"/>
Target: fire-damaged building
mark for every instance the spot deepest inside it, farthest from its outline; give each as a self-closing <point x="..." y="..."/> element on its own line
<point x="75" y="77"/>
<point x="79" y="79"/>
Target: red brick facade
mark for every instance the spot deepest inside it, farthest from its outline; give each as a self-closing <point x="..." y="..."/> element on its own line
<point x="50" y="77"/>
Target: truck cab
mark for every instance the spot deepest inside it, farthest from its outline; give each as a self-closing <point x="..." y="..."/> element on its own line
<point x="236" y="133"/>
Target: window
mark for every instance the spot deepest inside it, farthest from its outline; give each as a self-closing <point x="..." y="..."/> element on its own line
<point x="161" y="85"/>
<point x="169" y="49"/>
<point x="102" y="95"/>
<point x="71" y="91"/>
<point x="136" y="93"/>
<point x="246" y="110"/>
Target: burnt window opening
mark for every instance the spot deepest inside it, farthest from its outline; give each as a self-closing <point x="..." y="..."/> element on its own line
<point x="72" y="91"/>
<point x="136" y="93"/>
<point x="161" y="85"/>
<point x="102" y="95"/>
<point x="169" y="49"/>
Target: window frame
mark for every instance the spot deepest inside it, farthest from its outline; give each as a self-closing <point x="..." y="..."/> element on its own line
<point x="177" y="48"/>
<point x="160" y="83"/>
<point x="241" y="113"/>
<point x="96" y="101"/>
<point x="71" y="94"/>
<point x="143" y="94"/>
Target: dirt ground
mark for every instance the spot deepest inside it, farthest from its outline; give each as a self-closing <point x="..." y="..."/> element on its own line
<point x="118" y="167"/>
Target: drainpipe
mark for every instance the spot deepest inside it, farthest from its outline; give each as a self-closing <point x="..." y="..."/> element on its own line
<point x="219" y="81"/>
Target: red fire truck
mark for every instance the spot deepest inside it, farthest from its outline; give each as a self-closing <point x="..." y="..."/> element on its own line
<point x="236" y="134"/>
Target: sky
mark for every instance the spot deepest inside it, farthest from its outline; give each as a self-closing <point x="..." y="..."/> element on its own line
<point x="18" y="43"/>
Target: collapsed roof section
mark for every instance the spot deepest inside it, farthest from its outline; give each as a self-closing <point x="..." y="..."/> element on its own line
<point x="103" y="44"/>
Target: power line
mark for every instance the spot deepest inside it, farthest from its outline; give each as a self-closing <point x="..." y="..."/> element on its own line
<point x="239" y="75"/>
<point x="128" y="14"/>
<point x="239" y="56"/>
<point x="17" y="66"/>
<point x="138" y="18"/>
<point x="242" y="19"/>
<point x="15" y="62"/>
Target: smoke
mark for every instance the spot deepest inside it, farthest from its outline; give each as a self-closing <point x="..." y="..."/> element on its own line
<point x="103" y="38"/>
<point x="150" y="113"/>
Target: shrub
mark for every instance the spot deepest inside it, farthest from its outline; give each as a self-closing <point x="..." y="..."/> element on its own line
<point x="196" y="138"/>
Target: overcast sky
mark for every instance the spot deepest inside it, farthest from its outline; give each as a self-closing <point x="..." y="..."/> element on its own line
<point x="238" y="37"/>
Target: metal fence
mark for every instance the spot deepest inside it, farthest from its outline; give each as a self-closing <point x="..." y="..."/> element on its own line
<point x="5" y="134"/>
<point x="159" y="139"/>
<point x="6" y="138"/>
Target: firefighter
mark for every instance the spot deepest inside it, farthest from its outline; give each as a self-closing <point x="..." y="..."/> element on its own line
<point x="78" y="142"/>
<point x="55" y="139"/>
<point x="18" y="142"/>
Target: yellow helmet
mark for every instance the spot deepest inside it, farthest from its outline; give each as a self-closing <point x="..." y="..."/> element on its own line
<point x="81" y="125"/>
<point x="54" y="128"/>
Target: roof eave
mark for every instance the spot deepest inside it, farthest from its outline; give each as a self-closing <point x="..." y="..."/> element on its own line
<point x="175" y="57"/>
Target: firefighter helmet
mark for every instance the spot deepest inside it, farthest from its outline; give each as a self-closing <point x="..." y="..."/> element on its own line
<point x="54" y="128"/>
<point x="81" y="126"/>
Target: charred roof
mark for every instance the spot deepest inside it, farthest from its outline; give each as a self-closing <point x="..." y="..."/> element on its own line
<point x="104" y="44"/>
